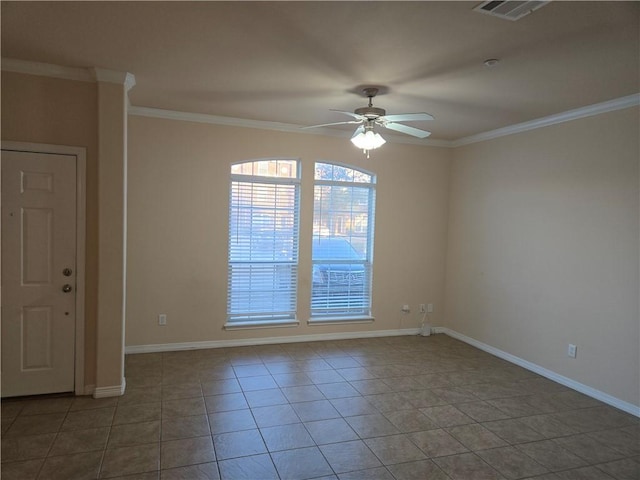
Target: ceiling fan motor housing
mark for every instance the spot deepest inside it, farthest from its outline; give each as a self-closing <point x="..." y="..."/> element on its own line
<point x="370" y="112"/>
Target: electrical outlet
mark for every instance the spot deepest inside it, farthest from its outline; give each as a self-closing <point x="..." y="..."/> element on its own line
<point x="430" y="308"/>
<point x="423" y="308"/>
<point x="405" y="308"/>
<point x="572" y="350"/>
<point x="162" y="319"/>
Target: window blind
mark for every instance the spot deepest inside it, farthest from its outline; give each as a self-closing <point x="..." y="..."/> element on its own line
<point x="263" y="248"/>
<point x="342" y="249"/>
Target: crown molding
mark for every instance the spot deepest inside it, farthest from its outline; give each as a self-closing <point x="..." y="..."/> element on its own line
<point x="588" y="111"/>
<point x="114" y="76"/>
<point x="266" y="125"/>
<point x="211" y="119"/>
<point x="91" y="75"/>
<point x="47" y="70"/>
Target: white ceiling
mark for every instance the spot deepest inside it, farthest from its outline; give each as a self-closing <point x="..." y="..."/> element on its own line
<point x="291" y="62"/>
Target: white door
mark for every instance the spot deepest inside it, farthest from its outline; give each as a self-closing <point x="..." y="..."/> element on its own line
<point x="38" y="273"/>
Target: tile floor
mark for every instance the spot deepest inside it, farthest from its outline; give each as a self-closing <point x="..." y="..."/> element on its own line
<point x="384" y="408"/>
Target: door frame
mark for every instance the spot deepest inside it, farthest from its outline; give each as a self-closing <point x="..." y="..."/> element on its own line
<point x="81" y="207"/>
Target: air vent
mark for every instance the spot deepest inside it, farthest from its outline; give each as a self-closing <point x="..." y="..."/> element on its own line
<point x="509" y="10"/>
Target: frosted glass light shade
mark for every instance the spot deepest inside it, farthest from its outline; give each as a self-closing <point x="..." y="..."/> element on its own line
<point x="368" y="140"/>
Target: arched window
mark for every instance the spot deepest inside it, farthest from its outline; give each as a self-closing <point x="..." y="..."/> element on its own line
<point x="264" y="210"/>
<point x="342" y="250"/>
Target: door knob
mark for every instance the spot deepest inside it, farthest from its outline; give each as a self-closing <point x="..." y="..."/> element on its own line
<point x="66" y="288"/>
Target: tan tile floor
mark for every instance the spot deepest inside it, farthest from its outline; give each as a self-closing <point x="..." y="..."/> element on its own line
<point x="384" y="408"/>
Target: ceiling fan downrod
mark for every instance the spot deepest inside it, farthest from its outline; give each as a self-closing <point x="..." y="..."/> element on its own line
<point x="370" y="112"/>
<point x="370" y="92"/>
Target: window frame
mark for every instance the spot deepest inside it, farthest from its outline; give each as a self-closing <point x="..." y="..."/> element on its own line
<point x="366" y="315"/>
<point x="235" y="320"/>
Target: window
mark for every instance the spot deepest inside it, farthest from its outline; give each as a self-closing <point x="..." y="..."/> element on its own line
<point x="264" y="209"/>
<point x="342" y="249"/>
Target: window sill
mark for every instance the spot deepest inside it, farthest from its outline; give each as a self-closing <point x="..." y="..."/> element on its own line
<point x="260" y="324"/>
<point x="334" y="320"/>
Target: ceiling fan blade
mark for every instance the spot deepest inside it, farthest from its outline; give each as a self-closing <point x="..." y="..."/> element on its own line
<point x="358" y="131"/>
<point x="407" y="117"/>
<point x="335" y="123"/>
<point x="398" y="127"/>
<point x="351" y="114"/>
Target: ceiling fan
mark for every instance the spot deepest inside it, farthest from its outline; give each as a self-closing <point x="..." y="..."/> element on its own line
<point x="369" y="117"/>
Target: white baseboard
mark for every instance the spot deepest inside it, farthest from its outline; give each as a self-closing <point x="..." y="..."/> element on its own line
<point x="171" y="347"/>
<point x="87" y="390"/>
<point x="111" y="391"/>
<point x="566" y="381"/>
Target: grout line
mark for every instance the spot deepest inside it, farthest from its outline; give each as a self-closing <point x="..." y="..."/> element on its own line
<point x="106" y="445"/>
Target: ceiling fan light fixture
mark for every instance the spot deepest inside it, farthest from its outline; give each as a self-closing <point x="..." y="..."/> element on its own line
<point x="368" y="140"/>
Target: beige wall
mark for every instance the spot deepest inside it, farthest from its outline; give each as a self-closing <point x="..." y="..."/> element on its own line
<point x="62" y="112"/>
<point x="178" y="214"/>
<point x="543" y="248"/>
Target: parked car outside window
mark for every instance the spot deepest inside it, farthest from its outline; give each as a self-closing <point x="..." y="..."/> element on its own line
<point x="338" y="269"/>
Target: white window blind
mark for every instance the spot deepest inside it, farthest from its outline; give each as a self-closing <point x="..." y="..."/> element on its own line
<point x="263" y="241"/>
<point x="342" y="249"/>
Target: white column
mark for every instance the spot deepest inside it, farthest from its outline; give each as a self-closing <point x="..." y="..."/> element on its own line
<point x="112" y="228"/>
